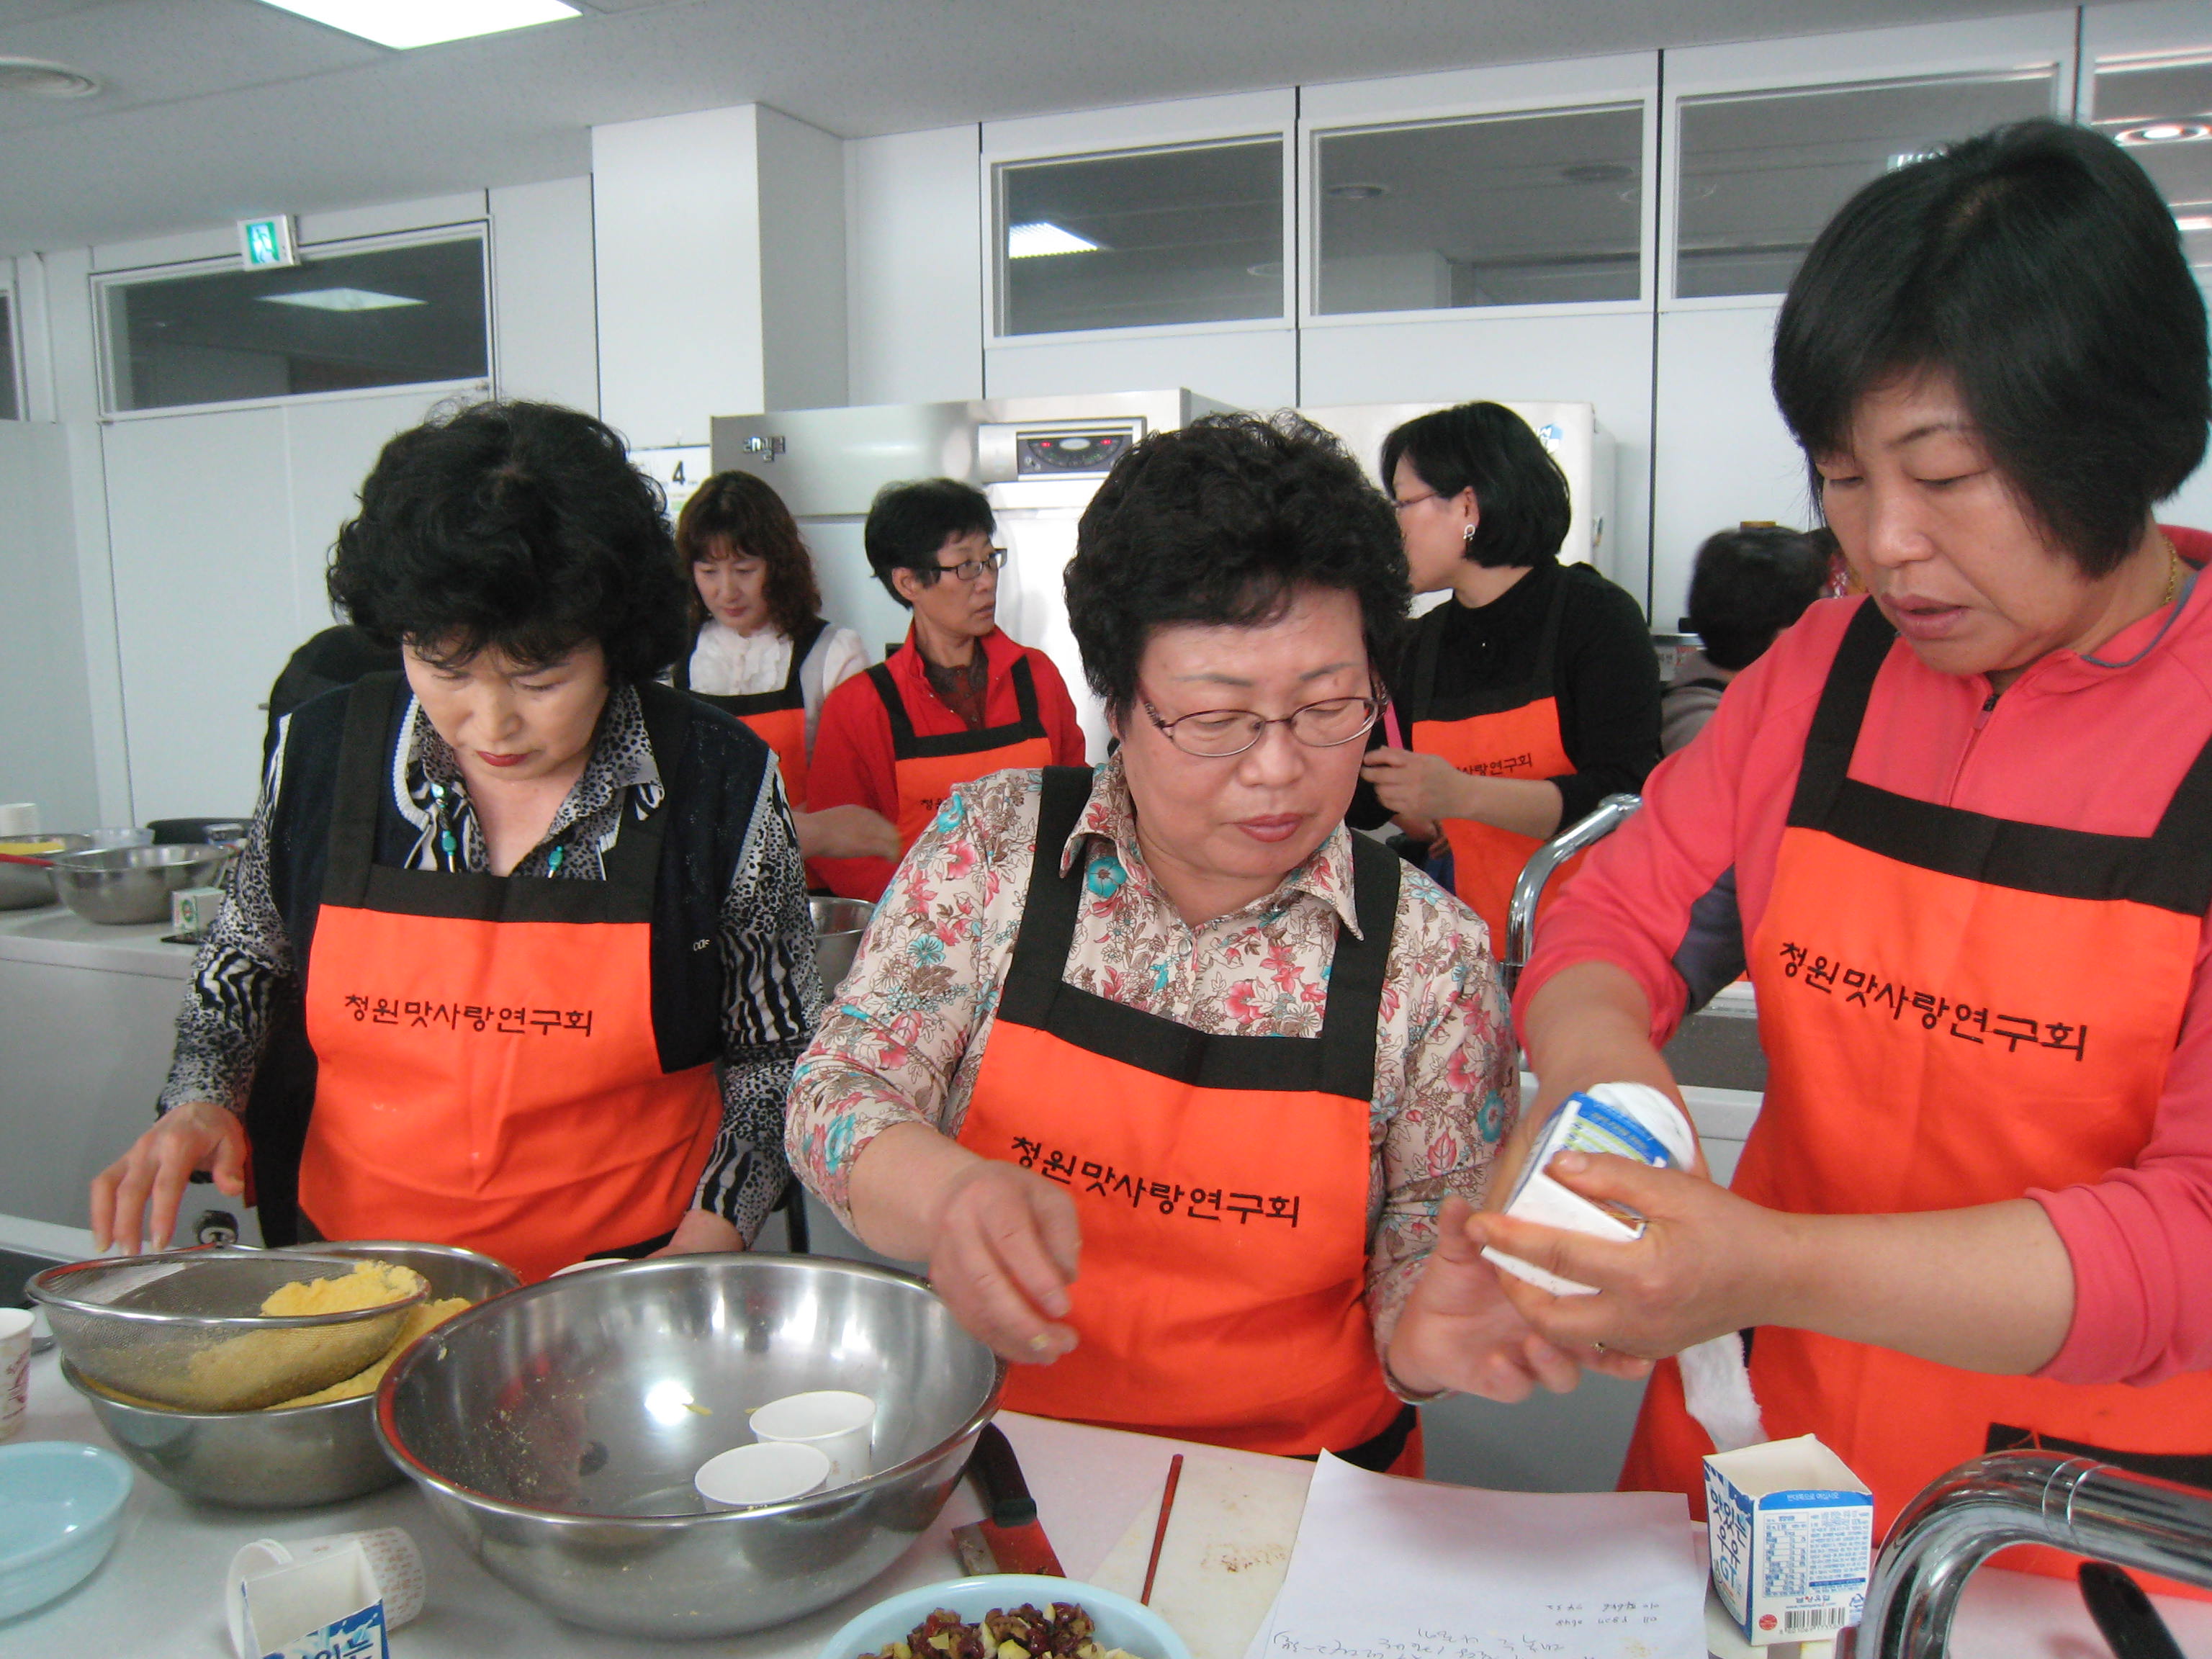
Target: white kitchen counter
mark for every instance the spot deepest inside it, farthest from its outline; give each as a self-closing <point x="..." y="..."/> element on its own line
<point x="59" y="937"/>
<point x="158" y="1596"/>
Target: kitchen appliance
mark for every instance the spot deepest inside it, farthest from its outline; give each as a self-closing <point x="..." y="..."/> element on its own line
<point x="303" y="1455"/>
<point x="1570" y="431"/>
<point x="554" y="1433"/>
<point x="1039" y="459"/>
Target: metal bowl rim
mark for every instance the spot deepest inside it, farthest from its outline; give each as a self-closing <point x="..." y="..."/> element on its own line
<point x="177" y="853"/>
<point x="418" y="1471"/>
<point x="77" y="1380"/>
<point x="354" y="1249"/>
<point x="40" y="1291"/>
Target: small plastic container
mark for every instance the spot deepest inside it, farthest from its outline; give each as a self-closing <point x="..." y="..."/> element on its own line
<point x="1626" y="1120"/>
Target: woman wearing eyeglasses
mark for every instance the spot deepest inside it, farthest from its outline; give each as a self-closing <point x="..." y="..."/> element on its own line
<point x="958" y="701"/>
<point x="1172" y="1020"/>
<point x="1533" y="693"/>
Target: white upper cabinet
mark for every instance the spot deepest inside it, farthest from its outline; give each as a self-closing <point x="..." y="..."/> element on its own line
<point x="1768" y="140"/>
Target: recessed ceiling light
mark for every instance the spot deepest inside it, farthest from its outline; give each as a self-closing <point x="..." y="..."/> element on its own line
<point x="406" y="23"/>
<point x="36" y="78"/>
<point x="2193" y="221"/>
<point x="340" y="298"/>
<point x="2166" y="132"/>
<point x="1034" y="241"/>
<point x="1352" y="191"/>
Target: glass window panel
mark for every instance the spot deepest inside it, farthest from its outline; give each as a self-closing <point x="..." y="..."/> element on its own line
<point x="1141" y="239"/>
<point x="1523" y="210"/>
<point x="7" y="409"/>
<point x="341" y="322"/>
<point x="1762" y="172"/>
<point x="2161" y="112"/>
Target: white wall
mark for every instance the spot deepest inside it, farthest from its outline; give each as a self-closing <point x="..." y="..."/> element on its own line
<point x="802" y="251"/>
<point x="45" y="741"/>
<point x="914" y="265"/>
<point x="544" y="298"/>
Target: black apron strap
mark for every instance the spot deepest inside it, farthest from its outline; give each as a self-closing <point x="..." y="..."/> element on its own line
<point x="1355" y="977"/>
<point x="903" y="735"/>
<point x="365" y="750"/>
<point x="1051" y="906"/>
<point x="1841" y="711"/>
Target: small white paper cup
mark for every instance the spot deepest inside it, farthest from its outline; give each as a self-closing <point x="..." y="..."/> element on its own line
<point x="766" y="1472"/>
<point x="14" y="1370"/>
<point x="838" y="1424"/>
<point x="392" y="1555"/>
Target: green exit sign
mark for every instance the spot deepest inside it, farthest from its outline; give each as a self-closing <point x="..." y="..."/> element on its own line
<point x="267" y="244"/>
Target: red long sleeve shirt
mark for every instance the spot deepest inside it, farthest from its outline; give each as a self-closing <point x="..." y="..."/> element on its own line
<point x="852" y="761"/>
<point x="2070" y="744"/>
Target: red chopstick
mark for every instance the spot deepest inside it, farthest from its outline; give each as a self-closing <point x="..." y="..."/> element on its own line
<point x="1160" y="1531"/>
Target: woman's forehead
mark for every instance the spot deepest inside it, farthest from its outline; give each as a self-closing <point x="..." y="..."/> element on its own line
<point x="1317" y="634"/>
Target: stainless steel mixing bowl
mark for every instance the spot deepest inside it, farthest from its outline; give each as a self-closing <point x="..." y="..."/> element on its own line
<point x="123" y="884"/>
<point x="556" y="1431"/>
<point x="838" y="925"/>
<point x="294" y="1458"/>
<point x="26" y="886"/>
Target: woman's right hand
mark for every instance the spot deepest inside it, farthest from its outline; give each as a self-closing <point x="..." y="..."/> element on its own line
<point x="1005" y="1253"/>
<point x="196" y="1135"/>
<point x="845" y="832"/>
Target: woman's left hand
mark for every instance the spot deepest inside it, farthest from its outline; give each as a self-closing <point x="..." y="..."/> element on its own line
<point x="1708" y="1261"/>
<point x="702" y="1232"/>
<point x="1413" y="785"/>
<point x="845" y="832"/>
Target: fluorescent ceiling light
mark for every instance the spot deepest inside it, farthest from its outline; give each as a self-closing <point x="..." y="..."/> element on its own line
<point x="2193" y="221"/>
<point x="1034" y="241"/>
<point x="405" y="23"/>
<point x="340" y="298"/>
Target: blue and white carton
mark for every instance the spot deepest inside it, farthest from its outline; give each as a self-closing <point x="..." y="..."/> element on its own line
<point x="327" y="1607"/>
<point x="1792" y="1537"/>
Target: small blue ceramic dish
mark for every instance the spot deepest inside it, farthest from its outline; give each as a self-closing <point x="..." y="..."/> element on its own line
<point x="60" y="1503"/>
<point x="1121" y="1623"/>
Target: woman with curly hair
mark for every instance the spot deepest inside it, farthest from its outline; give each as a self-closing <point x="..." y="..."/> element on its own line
<point x="542" y="919"/>
<point x="761" y="650"/>
<point x="1172" y="1015"/>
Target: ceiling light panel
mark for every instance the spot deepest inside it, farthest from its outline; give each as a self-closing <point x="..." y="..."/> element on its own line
<point x="1033" y="241"/>
<point x="404" y="24"/>
<point x="340" y="298"/>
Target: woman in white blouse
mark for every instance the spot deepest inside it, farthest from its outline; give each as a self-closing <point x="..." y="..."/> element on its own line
<point x="762" y="652"/>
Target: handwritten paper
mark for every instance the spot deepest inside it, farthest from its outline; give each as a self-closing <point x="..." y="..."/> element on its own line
<point x="1391" y="1568"/>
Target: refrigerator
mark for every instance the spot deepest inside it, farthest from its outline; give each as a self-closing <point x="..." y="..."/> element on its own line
<point x="1038" y="459"/>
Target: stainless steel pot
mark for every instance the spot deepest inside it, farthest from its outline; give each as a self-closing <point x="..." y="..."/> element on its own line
<point x="838" y="925"/>
<point x="26" y="886"/>
<point x="120" y="885"/>
<point x="556" y="1431"/>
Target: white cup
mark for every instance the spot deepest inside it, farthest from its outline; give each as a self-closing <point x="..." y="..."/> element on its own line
<point x="838" y="1424"/>
<point x="19" y="819"/>
<point x="14" y="1370"/>
<point x="766" y="1472"/>
<point x="392" y="1555"/>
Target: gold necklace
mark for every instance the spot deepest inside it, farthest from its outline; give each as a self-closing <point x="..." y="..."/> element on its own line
<point x="2173" y="574"/>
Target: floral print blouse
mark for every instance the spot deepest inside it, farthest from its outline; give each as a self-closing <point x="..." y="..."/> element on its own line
<point x="904" y="1037"/>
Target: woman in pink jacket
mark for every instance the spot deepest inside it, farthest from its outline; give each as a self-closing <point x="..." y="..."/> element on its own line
<point x="1961" y="831"/>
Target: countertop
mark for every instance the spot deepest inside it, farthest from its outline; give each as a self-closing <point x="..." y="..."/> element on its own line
<point x="158" y="1596"/>
<point x="58" y="936"/>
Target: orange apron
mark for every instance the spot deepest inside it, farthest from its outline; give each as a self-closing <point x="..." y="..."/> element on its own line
<point x="1931" y="1046"/>
<point x="488" y="1070"/>
<point x="1221" y="1182"/>
<point x="927" y="770"/>
<point x="778" y="718"/>
<point x="1508" y="732"/>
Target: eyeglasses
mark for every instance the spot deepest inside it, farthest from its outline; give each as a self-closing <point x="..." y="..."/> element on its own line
<point x="1414" y="501"/>
<point x="1218" y="733"/>
<point x="968" y="569"/>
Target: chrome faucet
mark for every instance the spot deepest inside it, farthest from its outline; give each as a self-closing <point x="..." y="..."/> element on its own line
<point x="1521" y="917"/>
<point x="2072" y="1503"/>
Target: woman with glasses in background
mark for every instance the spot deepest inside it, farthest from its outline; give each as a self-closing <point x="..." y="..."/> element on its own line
<point x="958" y="701"/>
<point x="1174" y="1018"/>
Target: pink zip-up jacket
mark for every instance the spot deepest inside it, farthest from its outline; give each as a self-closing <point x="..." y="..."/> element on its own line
<point x="2096" y="745"/>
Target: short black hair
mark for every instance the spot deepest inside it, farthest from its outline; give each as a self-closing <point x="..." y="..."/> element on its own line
<point x="1220" y="523"/>
<point x="1748" y="585"/>
<point x="1518" y="486"/>
<point x="519" y="526"/>
<point x="908" y="523"/>
<point x="2038" y="267"/>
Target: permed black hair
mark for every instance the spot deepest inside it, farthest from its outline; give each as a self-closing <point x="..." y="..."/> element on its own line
<point x="908" y="523"/>
<point x="519" y="526"/>
<point x="738" y="514"/>
<point x="1518" y="487"/>
<point x="1748" y="585"/>
<point x="2037" y="266"/>
<point x="1220" y="524"/>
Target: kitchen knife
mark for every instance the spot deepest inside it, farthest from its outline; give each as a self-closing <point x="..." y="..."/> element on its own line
<point x="2124" y="1615"/>
<point x="1009" y="1538"/>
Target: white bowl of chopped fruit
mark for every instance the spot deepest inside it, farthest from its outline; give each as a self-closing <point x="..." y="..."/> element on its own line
<point x="1008" y="1616"/>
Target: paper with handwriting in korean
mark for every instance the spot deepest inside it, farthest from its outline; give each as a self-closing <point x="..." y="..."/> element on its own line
<point x="1391" y="1568"/>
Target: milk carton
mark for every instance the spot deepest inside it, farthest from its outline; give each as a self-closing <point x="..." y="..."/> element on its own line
<point x="1792" y="1534"/>
<point x="327" y="1607"/>
<point x="1626" y="1120"/>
